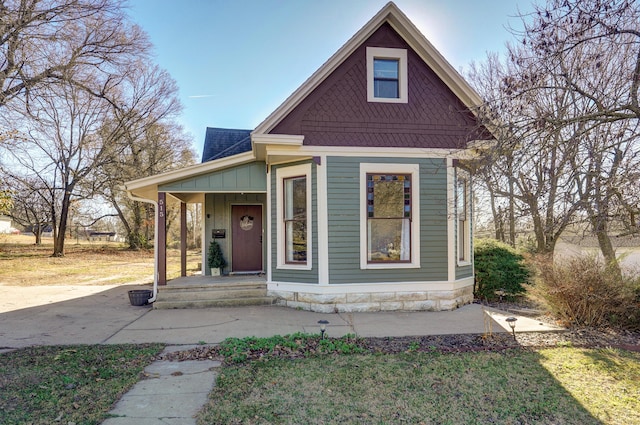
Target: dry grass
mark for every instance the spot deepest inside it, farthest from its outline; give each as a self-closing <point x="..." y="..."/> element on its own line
<point x="71" y="384"/>
<point x="86" y="263"/>
<point x="551" y="386"/>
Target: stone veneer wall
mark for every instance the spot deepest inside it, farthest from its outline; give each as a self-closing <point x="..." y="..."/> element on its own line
<point x="375" y="301"/>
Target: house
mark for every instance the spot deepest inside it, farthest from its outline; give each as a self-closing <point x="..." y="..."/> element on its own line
<point x="5" y="224"/>
<point x="350" y="195"/>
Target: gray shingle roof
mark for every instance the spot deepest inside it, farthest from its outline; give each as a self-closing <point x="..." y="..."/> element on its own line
<point x="223" y="142"/>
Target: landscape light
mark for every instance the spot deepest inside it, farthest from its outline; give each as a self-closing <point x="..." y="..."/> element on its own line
<point x="512" y="324"/>
<point x="323" y="326"/>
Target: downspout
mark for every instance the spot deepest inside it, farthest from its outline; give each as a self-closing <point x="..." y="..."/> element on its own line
<point x="155" y="243"/>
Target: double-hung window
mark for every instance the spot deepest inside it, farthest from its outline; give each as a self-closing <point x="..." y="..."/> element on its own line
<point x="385" y="78"/>
<point x="293" y="207"/>
<point x="390" y="219"/>
<point x="387" y="75"/>
<point x="462" y="216"/>
<point x="295" y="219"/>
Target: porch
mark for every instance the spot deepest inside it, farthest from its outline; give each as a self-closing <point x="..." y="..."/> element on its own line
<point x="213" y="291"/>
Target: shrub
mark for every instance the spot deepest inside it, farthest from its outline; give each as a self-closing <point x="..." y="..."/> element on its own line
<point x="581" y="291"/>
<point x="498" y="267"/>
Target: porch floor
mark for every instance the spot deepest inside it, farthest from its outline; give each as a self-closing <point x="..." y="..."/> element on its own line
<point x="216" y="280"/>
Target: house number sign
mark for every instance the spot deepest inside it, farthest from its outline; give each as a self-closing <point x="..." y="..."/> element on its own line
<point x="246" y="222"/>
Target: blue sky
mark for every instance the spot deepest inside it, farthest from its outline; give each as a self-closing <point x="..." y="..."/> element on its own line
<point x="235" y="61"/>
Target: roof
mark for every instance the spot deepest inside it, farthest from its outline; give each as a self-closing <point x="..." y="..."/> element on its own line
<point x="224" y="142"/>
<point x="415" y="39"/>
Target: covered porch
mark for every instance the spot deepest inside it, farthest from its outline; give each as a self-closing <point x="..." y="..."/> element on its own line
<point x="232" y="194"/>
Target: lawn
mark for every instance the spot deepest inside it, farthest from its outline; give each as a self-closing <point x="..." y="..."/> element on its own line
<point x="561" y="385"/>
<point x="79" y="384"/>
<point x="85" y="263"/>
<point x="549" y="386"/>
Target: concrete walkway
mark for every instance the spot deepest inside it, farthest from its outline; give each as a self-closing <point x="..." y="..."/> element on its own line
<point x="175" y="391"/>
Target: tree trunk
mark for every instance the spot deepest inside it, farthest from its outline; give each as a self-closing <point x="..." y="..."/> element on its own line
<point x="606" y="247"/>
<point x="58" y="243"/>
<point x="38" y="234"/>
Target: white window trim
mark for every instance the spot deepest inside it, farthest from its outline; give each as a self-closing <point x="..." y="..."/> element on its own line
<point x="461" y="174"/>
<point x="281" y="174"/>
<point x="414" y="170"/>
<point x="386" y="53"/>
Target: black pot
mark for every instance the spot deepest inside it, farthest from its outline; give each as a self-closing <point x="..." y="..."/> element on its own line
<point x="139" y="296"/>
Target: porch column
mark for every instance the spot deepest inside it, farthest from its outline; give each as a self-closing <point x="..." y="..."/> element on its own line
<point x="161" y="249"/>
<point x="183" y="239"/>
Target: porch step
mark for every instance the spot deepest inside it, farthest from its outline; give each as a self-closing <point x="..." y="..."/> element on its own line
<point x="212" y="295"/>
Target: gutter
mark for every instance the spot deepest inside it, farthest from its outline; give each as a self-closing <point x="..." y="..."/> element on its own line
<point x="155" y="243"/>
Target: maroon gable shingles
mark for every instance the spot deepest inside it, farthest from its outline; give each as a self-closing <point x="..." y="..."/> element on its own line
<point x="337" y="113"/>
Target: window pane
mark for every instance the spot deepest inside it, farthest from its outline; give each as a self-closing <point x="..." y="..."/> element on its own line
<point x="462" y="240"/>
<point x="385" y="68"/>
<point x="461" y="198"/>
<point x="296" y="241"/>
<point x="386" y="89"/>
<point x="295" y="198"/>
<point x="389" y="240"/>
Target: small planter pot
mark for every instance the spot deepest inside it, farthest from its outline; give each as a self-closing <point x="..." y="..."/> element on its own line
<point x="215" y="271"/>
<point x="139" y="297"/>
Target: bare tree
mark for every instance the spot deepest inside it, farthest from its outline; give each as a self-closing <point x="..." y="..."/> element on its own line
<point x="527" y="171"/>
<point x="46" y="42"/>
<point x="566" y="99"/>
<point x="30" y="207"/>
<point x="581" y="42"/>
<point x="162" y="147"/>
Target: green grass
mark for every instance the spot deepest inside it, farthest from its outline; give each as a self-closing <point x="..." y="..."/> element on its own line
<point x="72" y="384"/>
<point x="551" y="386"/>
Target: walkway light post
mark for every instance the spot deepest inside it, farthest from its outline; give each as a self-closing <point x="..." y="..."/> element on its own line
<point x="512" y="324"/>
<point x="323" y="326"/>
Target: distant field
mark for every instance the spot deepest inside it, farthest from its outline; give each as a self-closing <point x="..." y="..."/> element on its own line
<point x="629" y="257"/>
<point x="85" y="263"/>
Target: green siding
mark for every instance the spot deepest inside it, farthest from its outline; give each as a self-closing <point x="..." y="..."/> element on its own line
<point x="242" y="178"/>
<point x="287" y="275"/>
<point x="343" y="203"/>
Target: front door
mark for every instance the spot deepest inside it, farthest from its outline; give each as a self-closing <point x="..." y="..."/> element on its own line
<point x="246" y="242"/>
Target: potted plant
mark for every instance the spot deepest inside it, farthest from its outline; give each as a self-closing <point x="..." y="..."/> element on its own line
<point x="216" y="259"/>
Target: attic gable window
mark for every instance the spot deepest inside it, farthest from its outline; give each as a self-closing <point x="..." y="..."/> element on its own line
<point x="385" y="78"/>
<point x="387" y="75"/>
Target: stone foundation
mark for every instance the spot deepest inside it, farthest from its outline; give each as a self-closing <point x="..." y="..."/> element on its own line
<point x="374" y="301"/>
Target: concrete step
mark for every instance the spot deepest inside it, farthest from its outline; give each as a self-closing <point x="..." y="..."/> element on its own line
<point x="186" y="295"/>
<point x="189" y="295"/>
<point x="205" y="303"/>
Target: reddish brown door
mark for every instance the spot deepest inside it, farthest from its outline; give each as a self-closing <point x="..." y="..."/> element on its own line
<point x="246" y="242"/>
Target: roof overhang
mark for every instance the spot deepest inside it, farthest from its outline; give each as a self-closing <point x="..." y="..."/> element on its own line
<point x="147" y="187"/>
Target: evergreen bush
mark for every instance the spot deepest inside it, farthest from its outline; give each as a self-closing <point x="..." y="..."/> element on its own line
<point x="215" y="258"/>
<point x="499" y="270"/>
